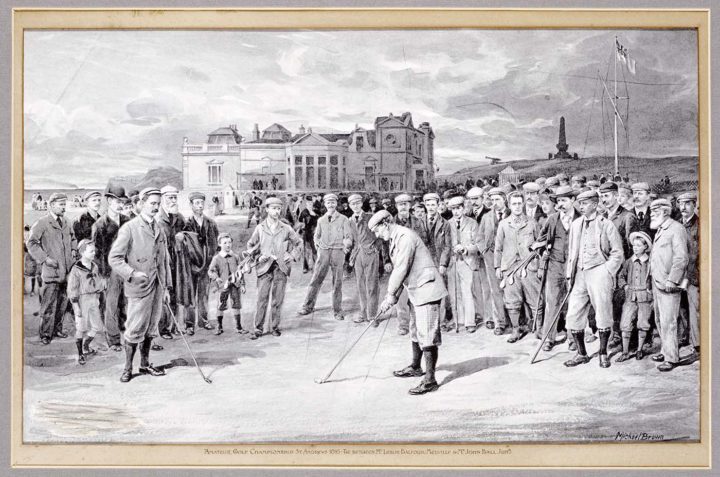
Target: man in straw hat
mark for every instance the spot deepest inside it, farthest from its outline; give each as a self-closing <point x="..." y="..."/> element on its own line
<point x="594" y="257"/>
<point x="415" y="271"/>
<point x="140" y="256"/>
<point x="668" y="264"/>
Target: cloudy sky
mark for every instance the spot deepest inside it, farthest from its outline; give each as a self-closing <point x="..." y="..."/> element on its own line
<point x="104" y="103"/>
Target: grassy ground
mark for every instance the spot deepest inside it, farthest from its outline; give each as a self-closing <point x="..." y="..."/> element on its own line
<point x="264" y="390"/>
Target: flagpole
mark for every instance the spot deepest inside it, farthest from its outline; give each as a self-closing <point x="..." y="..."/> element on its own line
<point x="615" y="108"/>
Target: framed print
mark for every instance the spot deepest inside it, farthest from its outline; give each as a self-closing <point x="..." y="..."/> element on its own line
<point x="348" y="237"/>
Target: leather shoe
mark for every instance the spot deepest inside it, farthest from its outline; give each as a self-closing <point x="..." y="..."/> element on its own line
<point x="116" y="348"/>
<point x="376" y="323"/>
<point x="339" y="316"/>
<point x="548" y="346"/>
<point x="219" y="331"/>
<point x="189" y="331"/>
<point x="666" y="366"/>
<point x="276" y="332"/>
<point x="489" y="325"/>
<point x="424" y="387"/>
<point x="126" y="376"/>
<point x="241" y="331"/>
<point x="658" y="358"/>
<point x="304" y="311"/>
<point x="471" y="329"/>
<point x="152" y="371"/>
<point x="254" y="336"/>
<point x="403" y="332"/>
<point x="156" y="347"/>
<point x="60" y="334"/>
<point x="81" y="359"/>
<point x="639" y="354"/>
<point x="207" y="326"/>
<point x="45" y="341"/>
<point x="409" y="372"/>
<point x="576" y="360"/>
<point x="499" y="330"/>
<point x="360" y="319"/>
<point x="623" y="357"/>
<point x="166" y="336"/>
<point x="89" y="350"/>
<point x="604" y="361"/>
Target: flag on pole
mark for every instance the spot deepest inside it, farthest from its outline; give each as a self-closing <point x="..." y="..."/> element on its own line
<point x="624" y="57"/>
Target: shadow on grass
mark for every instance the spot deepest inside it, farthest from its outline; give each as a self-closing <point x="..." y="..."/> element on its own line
<point x="470" y="367"/>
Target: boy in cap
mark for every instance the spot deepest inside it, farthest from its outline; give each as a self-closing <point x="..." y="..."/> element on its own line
<point x="82" y="225"/>
<point x="688" y="203"/>
<point x="364" y="259"/>
<point x="52" y="244"/>
<point x="104" y="232"/>
<point x="225" y="270"/>
<point x="207" y="233"/>
<point x="635" y="280"/>
<point x="463" y="265"/>
<point x="276" y="245"/>
<point x="333" y="239"/>
<point x="84" y="288"/>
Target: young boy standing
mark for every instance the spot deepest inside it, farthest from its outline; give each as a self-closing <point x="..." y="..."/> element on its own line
<point x="85" y="284"/>
<point x="635" y="279"/>
<point x="224" y="270"/>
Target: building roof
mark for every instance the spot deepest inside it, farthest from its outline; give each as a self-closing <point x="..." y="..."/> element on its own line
<point x="336" y="137"/>
<point x="405" y="118"/>
<point x="508" y="170"/>
<point x="226" y="131"/>
<point x="275" y="127"/>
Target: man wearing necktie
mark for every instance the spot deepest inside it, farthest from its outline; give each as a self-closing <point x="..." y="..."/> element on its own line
<point x="595" y="255"/>
<point x="480" y="286"/>
<point x="439" y="245"/>
<point x="463" y="264"/>
<point x="52" y="244"/>
<point x="688" y="204"/>
<point x="641" y="209"/>
<point x="140" y="256"/>
<point x="365" y="259"/>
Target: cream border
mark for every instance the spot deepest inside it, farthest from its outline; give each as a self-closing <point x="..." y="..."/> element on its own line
<point x="606" y="455"/>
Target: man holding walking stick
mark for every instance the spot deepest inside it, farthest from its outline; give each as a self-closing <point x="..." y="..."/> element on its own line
<point x="413" y="269"/>
<point x="140" y="256"/>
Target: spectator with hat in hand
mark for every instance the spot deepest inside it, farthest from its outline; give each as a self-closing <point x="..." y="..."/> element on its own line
<point x="104" y="232"/>
<point x="52" y="244"/>
<point x="82" y="225"/>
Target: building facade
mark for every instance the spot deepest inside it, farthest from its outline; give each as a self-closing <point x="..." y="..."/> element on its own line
<point x="394" y="155"/>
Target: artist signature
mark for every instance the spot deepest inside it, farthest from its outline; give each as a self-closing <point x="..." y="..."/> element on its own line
<point x="638" y="436"/>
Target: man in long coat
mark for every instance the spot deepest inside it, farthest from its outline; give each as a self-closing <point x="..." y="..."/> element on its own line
<point x="82" y="225"/>
<point x="172" y="222"/>
<point x="688" y="203"/>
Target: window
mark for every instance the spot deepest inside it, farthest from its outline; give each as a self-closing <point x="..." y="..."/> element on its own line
<point x="298" y="177"/>
<point x="360" y="142"/>
<point x="334" y="177"/>
<point x="343" y="160"/>
<point x="288" y="159"/>
<point x="417" y="160"/>
<point x="298" y="160"/>
<point x="310" y="177"/>
<point x="322" y="177"/>
<point x="322" y="160"/>
<point x="309" y="160"/>
<point x="215" y="174"/>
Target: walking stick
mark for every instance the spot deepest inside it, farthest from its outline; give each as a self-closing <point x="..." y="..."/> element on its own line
<point x="347" y="352"/>
<point x="207" y="380"/>
<point x="457" y="305"/>
<point x="554" y="322"/>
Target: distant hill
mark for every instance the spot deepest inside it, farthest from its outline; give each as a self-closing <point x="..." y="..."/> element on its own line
<point x="159" y="177"/>
<point x="680" y="169"/>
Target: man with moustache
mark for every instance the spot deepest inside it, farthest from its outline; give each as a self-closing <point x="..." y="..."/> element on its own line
<point x="531" y="193"/>
<point x="333" y="239"/>
<point x="172" y="222"/>
<point x="688" y="203"/>
<point x="486" y="246"/>
<point x="82" y="225"/>
<point x="52" y="245"/>
<point x="439" y="245"/>
<point x="623" y="221"/>
<point x="556" y="232"/>
<point x="668" y="263"/>
<point x="140" y="255"/>
<point x="308" y="218"/>
<point x="513" y="242"/>
<point x="104" y="232"/>
<point x="414" y="270"/>
<point x="480" y="285"/>
<point x="404" y="218"/>
<point x="365" y="259"/>
<point x="207" y="232"/>
<point x="595" y="255"/>
<point x="641" y="208"/>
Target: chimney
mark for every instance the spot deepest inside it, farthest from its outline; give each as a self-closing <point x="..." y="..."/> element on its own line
<point x="302" y="129"/>
<point x="256" y="133"/>
<point x="309" y="130"/>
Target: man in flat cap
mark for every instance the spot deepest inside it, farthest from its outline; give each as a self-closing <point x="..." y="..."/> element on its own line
<point x="688" y="204"/>
<point x="415" y="271"/>
<point x="140" y="255"/>
<point x="625" y="197"/>
<point x="668" y="264"/>
<point x="513" y="242"/>
<point x="577" y="182"/>
<point x="276" y="246"/>
<point x="308" y="218"/>
<point x="641" y="208"/>
<point x="486" y="247"/>
<point x="439" y="244"/>
<point x="595" y="255"/>
<point x="563" y="179"/>
<point x="387" y="205"/>
<point x="104" y="233"/>
<point x="333" y="239"/>
<point x="463" y="264"/>
<point x="443" y="210"/>
<point x="481" y="205"/>
<point x="406" y="219"/>
<point x="556" y="231"/>
<point x="365" y="259"/>
<point x="531" y="193"/>
<point x="82" y="225"/>
<point x="172" y="222"/>
<point x="52" y="244"/>
<point x="207" y="233"/>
